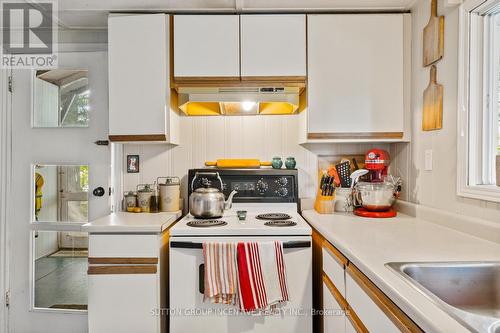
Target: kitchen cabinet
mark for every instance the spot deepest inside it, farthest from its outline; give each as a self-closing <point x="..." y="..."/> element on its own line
<point x="139" y="87"/>
<point x="358" y="77"/>
<point x="273" y="45"/>
<point x="345" y="287"/>
<point x="206" y="46"/>
<point x="127" y="281"/>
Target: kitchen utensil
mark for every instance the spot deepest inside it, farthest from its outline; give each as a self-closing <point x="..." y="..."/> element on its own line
<point x="207" y="201"/>
<point x="130" y="200"/>
<point x="343" y="200"/>
<point x="144" y="194"/>
<point x="376" y="197"/>
<point x="290" y="163"/>
<point x="237" y="163"/>
<point x="344" y="171"/>
<point x="325" y="195"/>
<point x="169" y="194"/>
<point x="433" y="48"/>
<point x="363" y="212"/>
<point x="356" y="174"/>
<point x="277" y="163"/>
<point x="433" y="103"/>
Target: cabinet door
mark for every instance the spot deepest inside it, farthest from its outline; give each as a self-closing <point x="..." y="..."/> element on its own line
<point x="373" y="318"/>
<point x="273" y="45"/>
<point x="206" y="46"/>
<point x="123" y="303"/>
<point x="334" y="320"/>
<point x="138" y="75"/>
<point x="355" y="75"/>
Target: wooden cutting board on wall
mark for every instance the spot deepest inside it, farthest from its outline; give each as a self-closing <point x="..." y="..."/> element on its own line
<point x="433" y="45"/>
<point x="433" y="104"/>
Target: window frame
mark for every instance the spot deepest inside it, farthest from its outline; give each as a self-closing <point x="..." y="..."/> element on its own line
<point x="473" y="103"/>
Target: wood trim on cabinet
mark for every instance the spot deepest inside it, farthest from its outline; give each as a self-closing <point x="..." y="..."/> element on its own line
<point x="301" y="79"/>
<point x="334" y="291"/>
<point x="355" y="321"/>
<point x="360" y="135"/>
<point x="122" y="261"/>
<point x="339" y="257"/>
<point x="280" y="81"/>
<point x="138" y="137"/>
<point x="130" y="269"/>
<point x="391" y="310"/>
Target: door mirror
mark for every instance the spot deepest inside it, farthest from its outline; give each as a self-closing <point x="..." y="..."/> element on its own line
<point x="61" y="193"/>
<point x="61" y="98"/>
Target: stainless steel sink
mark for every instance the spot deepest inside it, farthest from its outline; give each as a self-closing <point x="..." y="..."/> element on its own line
<point x="468" y="291"/>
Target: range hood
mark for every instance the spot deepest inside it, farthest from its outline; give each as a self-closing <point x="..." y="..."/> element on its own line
<point x="238" y="100"/>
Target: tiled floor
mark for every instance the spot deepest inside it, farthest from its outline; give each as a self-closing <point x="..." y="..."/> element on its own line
<point x="60" y="281"/>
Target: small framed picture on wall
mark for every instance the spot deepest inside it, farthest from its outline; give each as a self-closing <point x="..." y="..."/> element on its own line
<point x="132" y="163"/>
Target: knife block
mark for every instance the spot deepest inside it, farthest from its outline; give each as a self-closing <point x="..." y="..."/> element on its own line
<point x="324" y="204"/>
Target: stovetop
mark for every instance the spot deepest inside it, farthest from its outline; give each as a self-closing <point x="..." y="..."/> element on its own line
<point x="251" y="226"/>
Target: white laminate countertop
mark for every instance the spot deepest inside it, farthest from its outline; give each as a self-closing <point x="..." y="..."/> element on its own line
<point x="123" y="222"/>
<point x="371" y="243"/>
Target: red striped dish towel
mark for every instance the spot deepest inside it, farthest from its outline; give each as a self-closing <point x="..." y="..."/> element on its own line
<point x="262" y="275"/>
<point x="221" y="272"/>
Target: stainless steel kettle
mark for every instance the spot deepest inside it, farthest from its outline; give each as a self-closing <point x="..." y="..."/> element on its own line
<point x="208" y="202"/>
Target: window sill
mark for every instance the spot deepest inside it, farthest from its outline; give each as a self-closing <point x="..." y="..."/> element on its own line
<point x="481" y="192"/>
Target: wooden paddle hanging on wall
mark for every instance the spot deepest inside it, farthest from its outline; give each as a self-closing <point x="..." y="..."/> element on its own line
<point x="433" y="104"/>
<point x="433" y="45"/>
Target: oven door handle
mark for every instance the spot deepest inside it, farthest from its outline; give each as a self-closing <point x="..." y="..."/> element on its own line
<point x="193" y="245"/>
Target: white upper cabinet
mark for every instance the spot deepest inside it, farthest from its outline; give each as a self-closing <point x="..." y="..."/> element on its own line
<point x="358" y="77"/>
<point x="139" y="88"/>
<point x="206" y="46"/>
<point x="273" y="45"/>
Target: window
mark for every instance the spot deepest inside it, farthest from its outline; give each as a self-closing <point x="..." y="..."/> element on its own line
<point x="479" y="100"/>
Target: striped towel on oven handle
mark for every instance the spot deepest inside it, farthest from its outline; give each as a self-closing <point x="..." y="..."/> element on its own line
<point x="262" y="275"/>
<point x="221" y="272"/>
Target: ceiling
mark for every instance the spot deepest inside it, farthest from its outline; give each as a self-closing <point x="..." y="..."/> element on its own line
<point x="92" y="14"/>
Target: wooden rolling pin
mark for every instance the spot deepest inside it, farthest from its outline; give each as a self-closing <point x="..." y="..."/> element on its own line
<point x="238" y="163"/>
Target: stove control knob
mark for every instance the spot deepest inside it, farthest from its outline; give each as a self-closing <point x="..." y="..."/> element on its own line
<point x="262" y="186"/>
<point x="282" y="191"/>
<point x="282" y="181"/>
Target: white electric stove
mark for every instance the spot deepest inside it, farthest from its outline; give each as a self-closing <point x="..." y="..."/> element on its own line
<point x="270" y="198"/>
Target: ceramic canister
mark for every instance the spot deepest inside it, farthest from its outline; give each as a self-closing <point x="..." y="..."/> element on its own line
<point x="170" y="194"/>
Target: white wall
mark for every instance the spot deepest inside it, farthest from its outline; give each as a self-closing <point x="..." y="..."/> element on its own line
<point x="212" y="138"/>
<point x="436" y="188"/>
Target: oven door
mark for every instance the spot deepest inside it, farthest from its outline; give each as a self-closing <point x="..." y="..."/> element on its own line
<point x="189" y="314"/>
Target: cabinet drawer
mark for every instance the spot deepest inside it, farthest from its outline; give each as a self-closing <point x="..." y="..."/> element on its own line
<point x="375" y="310"/>
<point x="333" y="265"/>
<point x="333" y="318"/>
<point x="123" y="246"/>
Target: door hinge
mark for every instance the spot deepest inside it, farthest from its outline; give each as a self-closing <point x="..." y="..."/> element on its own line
<point x="7" y="299"/>
<point x="10" y="84"/>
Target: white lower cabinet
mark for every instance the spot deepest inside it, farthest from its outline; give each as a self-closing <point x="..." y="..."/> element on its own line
<point x="334" y="321"/>
<point x="127" y="282"/>
<point x="123" y="303"/>
<point x="373" y="318"/>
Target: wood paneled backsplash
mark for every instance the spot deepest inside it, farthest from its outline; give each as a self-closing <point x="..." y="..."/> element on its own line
<point x="211" y="138"/>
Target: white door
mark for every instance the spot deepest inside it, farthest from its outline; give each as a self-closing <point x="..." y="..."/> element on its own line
<point x="54" y="172"/>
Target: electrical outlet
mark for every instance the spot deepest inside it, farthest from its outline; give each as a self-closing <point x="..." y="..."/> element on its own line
<point x="428" y="160"/>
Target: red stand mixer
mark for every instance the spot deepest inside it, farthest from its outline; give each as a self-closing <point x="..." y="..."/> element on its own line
<point x="377" y="162"/>
<point x="376" y="196"/>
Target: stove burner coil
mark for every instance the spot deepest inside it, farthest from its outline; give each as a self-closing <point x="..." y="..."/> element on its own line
<point x="273" y="216"/>
<point x="280" y="223"/>
<point x="206" y="223"/>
